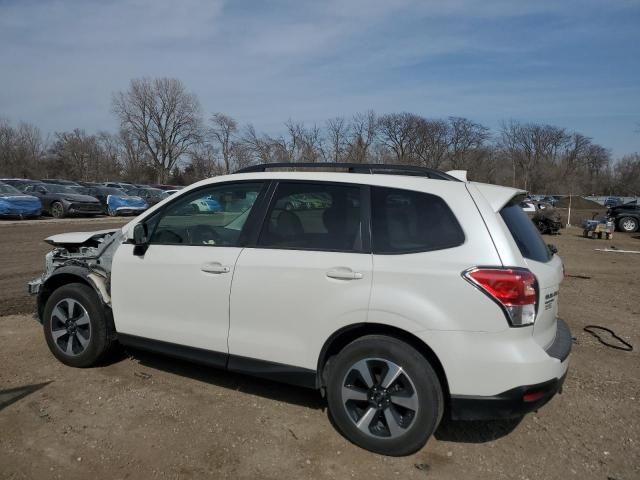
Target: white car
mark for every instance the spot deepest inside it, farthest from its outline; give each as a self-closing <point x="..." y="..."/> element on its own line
<point x="407" y="294"/>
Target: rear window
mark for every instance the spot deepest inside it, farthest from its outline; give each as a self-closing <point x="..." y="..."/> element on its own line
<point x="524" y="232"/>
<point x="404" y="221"/>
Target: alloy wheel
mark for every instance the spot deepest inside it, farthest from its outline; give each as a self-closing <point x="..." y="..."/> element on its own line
<point x="57" y="210"/>
<point x="70" y="327"/>
<point x="629" y="225"/>
<point x="379" y="397"/>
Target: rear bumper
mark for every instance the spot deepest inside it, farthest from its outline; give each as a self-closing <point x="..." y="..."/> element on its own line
<point x="519" y="400"/>
<point x="510" y="404"/>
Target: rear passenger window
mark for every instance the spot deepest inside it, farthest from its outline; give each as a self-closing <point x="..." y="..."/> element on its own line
<point x="524" y="232"/>
<point x="314" y="216"/>
<point x="405" y="221"/>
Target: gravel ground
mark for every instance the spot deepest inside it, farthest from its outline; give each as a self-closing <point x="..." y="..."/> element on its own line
<point x="145" y="416"/>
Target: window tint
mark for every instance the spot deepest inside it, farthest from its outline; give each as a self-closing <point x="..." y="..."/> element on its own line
<point x="404" y="221"/>
<point x="214" y="216"/>
<point x="524" y="233"/>
<point x="314" y="216"/>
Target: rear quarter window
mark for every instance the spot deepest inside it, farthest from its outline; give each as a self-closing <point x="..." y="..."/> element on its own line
<point x="405" y="221"/>
<point x="524" y="232"/>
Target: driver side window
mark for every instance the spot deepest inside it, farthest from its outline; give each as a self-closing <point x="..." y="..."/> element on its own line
<point x="210" y="217"/>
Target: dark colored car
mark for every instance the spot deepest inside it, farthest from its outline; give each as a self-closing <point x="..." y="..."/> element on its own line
<point x="57" y="181"/>
<point x="14" y="203"/>
<point x="553" y="201"/>
<point x="613" y="202"/>
<point x="19" y="183"/>
<point x="60" y="201"/>
<point x="121" y="185"/>
<point x="167" y="187"/>
<point x="150" y="195"/>
<point x="626" y="217"/>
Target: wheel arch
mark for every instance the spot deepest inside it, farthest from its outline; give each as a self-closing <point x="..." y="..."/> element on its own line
<point x="345" y="335"/>
<point x="66" y="275"/>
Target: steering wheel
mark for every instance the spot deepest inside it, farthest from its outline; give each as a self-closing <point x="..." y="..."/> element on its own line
<point x="204" y="235"/>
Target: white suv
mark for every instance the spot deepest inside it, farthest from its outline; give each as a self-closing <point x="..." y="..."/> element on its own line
<point x="401" y="293"/>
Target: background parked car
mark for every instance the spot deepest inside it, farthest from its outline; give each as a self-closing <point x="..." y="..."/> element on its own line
<point x="121" y="185"/>
<point x="612" y="202"/>
<point x="60" y="201"/>
<point x="626" y="217"/>
<point x="150" y="195"/>
<point x="116" y="201"/>
<point x="58" y="181"/>
<point x="19" y="183"/>
<point x="14" y="203"/>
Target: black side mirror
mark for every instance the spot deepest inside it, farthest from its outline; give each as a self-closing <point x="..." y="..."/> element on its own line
<point x="552" y="248"/>
<point x="140" y="234"/>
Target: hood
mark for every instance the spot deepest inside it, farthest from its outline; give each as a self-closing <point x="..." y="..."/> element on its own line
<point x="27" y="199"/>
<point x="19" y="205"/>
<point x="76" y="238"/>
<point x="117" y="201"/>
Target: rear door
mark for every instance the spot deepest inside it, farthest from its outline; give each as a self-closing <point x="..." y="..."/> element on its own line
<point x="308" y="274"/>
<point x="546" y="266"/>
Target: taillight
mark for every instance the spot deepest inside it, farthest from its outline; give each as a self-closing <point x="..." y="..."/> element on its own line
<point x="514" y="289"/>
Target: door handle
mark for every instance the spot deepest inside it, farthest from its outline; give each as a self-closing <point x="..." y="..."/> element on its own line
<point x="214" y="267"/>
<point x="343" y="274"/>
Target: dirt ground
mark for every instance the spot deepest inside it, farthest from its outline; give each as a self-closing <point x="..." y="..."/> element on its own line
<point x="145" y="416"/>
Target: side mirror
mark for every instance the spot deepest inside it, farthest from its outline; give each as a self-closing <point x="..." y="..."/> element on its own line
<point x="140" y="234"/>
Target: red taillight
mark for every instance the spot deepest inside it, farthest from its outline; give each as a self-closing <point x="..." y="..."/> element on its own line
<point x="533" y="396"/>
<point x="513" y="288"/>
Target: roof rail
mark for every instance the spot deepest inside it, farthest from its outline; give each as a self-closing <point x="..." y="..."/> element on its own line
<point x="369" y="168"/>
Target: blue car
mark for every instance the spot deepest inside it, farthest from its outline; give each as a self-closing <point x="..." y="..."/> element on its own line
<point x="124" y="204"/>
<point x="14" y="203"/>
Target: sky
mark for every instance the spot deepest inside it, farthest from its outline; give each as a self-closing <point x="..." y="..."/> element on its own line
<point x="569" y="63"/>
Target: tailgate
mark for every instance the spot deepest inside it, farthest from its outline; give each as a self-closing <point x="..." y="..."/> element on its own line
<point x="549" y="275"/>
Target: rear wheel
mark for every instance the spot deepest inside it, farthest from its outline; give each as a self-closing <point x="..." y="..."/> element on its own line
<point x="75" y="325"/>
<point x="628" y="224"/>
<point x="57" y="210"/>
<point x="384" y="395"/>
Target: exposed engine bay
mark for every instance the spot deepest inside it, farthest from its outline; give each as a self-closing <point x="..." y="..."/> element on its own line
<point x="90" y="251"/>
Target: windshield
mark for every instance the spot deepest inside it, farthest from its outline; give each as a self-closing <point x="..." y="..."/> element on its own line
<point x="53" y="188"/>
<point x="9" y="190"/>
<point x="112" y="191"/>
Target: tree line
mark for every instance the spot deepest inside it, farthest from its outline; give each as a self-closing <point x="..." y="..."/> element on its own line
<point x="164" y="138"/>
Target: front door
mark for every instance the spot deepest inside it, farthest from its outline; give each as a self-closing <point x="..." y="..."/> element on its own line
<point x="178" y="290"/>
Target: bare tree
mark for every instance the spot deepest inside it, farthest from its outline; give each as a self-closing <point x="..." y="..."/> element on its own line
<point x="224" y="131"/>
<point x="337" y="133"/>
<point x="431" y="142"/>
<point x="466" y="140"/>
<point x="163" y="116"/>
<point x="397" y="132"/>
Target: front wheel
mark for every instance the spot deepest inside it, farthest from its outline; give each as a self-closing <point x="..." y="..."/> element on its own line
<point x="75" y="325"/>
<point x="628" y="224"/>
<point x="384" y="395"/>
<point x="57" y="210"/>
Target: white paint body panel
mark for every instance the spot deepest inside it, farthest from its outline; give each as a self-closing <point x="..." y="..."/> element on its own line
<point x="284" y="307"/>
<point x="165" y="295"/>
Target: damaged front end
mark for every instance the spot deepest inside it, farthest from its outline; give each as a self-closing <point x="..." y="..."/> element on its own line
<point x="87" y="255"/>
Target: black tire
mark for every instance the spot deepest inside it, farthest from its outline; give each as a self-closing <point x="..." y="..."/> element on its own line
<point x="628" y="224"/>
<point x="57" y="210"/>
<point x="99" y="337"/>
<point x="542" y="227"/>
<point x="418" y="382"/>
